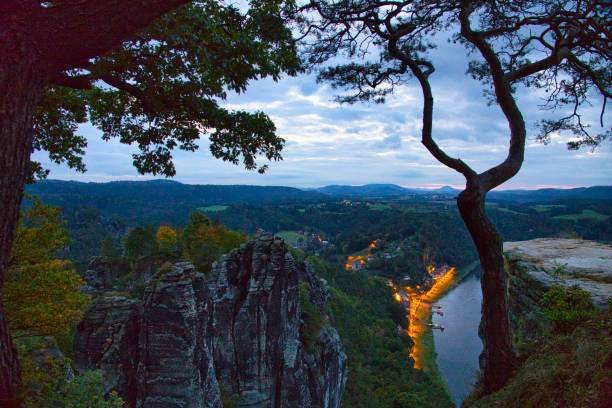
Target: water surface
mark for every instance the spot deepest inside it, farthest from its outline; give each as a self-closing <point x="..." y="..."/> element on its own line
<point x="459" y="346"/>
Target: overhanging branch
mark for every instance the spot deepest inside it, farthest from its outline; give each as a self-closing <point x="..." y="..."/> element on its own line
<point x="71" y="33"/>
<point x="80" y="82"/>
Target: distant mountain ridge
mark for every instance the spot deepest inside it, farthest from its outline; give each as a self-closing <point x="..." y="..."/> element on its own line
<point x="549" y="194"/>
<point x="70" y="193"/>
<point x="165" y="201"/>
<point x="60" y="192"/>
<point x="393" y="190"/>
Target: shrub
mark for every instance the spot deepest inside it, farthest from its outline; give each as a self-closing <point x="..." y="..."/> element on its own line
<point x="48" y="381"/>
<point x="565" y="307"/>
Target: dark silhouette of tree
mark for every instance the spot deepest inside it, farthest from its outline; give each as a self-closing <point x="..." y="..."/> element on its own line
<point x="560" y="46"/>
<point x="148" y="72"/>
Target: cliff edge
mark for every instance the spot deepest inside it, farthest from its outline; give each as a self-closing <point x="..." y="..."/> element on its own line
<point x="561" y="323"/>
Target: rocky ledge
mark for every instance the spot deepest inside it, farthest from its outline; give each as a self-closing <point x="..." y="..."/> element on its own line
<point x="232" y="338"/>
<point x="536" y="265"/>
<point x="565" y="262"/>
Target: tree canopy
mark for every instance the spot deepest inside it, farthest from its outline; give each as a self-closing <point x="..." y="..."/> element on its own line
<point x="161" y="88"/>
<point x="205" y="241"/>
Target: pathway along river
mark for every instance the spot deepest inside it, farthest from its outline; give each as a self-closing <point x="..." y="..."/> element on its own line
<point x="459" y="346"/>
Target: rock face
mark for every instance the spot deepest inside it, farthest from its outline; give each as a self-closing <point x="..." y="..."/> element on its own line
<point x="534" y="266"/>
<point x="107" y="339"/>
<point x="175" y="367"/>
<point x="566" y="262"/>
<point x="97" y="276"/>
<point x="234" y="336"/>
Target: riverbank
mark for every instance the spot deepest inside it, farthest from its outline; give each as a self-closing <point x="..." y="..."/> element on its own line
<point x="424" y="351"/>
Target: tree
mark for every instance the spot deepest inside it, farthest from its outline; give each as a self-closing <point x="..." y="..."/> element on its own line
<point x="166" y="239"/>
<point x="205" y="241"/>
<point x="109" y="248"/>
<point x="140" y="242"/>
<point x="560" y="46"/>
<point x="148" y="72"/>
<point x="42" y="293"/>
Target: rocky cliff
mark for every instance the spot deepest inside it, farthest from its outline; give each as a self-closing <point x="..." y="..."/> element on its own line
<point x="536" y="265"/>
<point x="232" y="338"/>
<point x="570" y="368"/>
<point x="566" y="262"/>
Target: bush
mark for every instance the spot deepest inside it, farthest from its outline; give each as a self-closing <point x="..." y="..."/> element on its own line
<point x="48" y="381"/>
<point x="565" y="307"/>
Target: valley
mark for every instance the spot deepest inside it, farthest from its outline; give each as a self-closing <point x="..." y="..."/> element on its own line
<point x="393" y="266"/>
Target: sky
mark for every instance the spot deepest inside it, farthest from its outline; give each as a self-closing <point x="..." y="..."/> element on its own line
<point x="328" y="143"/>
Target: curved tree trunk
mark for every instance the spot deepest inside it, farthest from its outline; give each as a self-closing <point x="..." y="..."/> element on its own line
<point x="499" y="357"/>
<point x="20" y="87"/>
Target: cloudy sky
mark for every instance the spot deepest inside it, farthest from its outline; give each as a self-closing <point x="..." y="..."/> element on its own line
<point x="328" y="143"/>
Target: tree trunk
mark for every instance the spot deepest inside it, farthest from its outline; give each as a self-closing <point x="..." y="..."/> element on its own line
<point x="20" y="87"/>
<point x="498" y="356"/>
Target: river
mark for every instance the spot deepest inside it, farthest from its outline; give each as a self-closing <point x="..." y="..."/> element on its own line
<point x="459" y="346"/>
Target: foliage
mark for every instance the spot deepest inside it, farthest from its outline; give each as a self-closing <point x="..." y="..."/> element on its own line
<point x="566" y="306"/>
<point x="566" y="370"/>
<point x="140" y="242"/>
<point x="42" y="293"/>
<point x="166" y="238"/>
<point x="40" y="235"/>
<point x="205" y="242"/>
<point x="108" y="248"/>
<point x="160" y="89"/>
<point x="313" y="320"/>
<point x="47" y="382"/>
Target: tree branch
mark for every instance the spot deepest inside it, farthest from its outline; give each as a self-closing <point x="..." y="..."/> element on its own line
<point x="80" y="82"/>
<point x="71" y="33"/>
<point x="541" y="65"/>
<point x="512" y="164"/>
<point x="426" y="133"/>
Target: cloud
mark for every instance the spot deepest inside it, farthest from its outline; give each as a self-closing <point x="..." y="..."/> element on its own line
<point x="329" y="143"/>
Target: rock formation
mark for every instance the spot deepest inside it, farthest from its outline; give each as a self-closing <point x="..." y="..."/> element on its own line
<point x="234" y="336"/>
<point x="107" y="339"/>
<point x="534" y="266"/>
<point x="566" y="262"/>
<point x="97" y="276"/>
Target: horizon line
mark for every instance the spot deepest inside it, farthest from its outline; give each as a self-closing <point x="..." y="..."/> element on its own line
<point x="430" y="186"/>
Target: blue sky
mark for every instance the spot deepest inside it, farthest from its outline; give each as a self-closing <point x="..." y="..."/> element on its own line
<point x="328" y="143"/>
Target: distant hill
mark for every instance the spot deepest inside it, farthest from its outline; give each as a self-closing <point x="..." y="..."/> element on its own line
<point x="551" y="194"/>
<point x="382" y="190"/>
<point x="395" y="191"/>
<point x="143" y="201"/>
<point x="164" y="190"/>
<point x="368" y="190"/>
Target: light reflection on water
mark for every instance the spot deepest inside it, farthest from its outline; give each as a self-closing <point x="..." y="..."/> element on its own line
<point x="459" y="346"/>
